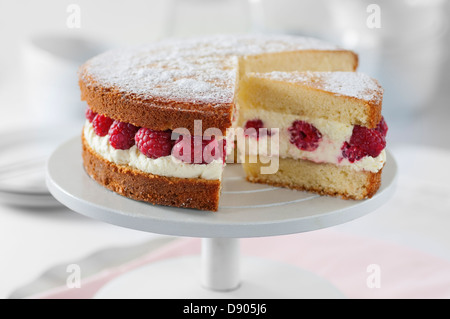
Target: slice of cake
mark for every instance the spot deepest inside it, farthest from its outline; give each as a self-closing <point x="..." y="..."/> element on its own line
<point x="141" y="139"/>
<point x="324" y="128"/>
<point x="143" y="164"/>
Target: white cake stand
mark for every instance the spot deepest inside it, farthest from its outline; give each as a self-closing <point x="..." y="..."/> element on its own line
<point x="246" y="210"/>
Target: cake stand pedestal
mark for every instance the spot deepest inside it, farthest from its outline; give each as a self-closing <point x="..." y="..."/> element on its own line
<point x="246" y="210"/>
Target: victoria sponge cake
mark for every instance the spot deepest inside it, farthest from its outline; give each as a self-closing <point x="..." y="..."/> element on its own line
<point x="159" y="117"/>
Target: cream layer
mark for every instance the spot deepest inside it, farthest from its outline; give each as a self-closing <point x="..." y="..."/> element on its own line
<point x="334" y="134"/>
<point x="168" y="166"/>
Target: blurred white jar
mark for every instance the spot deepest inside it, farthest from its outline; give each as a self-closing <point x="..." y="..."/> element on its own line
<point x="405" y="53"/>
<point x="50" y="66"/>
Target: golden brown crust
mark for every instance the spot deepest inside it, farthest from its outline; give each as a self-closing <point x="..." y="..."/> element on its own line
<point x="374" y="114"/>
<point x="157" y="114"/>
<point x="356" y="60"/>
<point x="373" y="183"/>
<point x="169" y="191"/>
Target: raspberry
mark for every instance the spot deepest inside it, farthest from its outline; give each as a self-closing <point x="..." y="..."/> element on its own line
<point x="121" y="135"/>
<point x="154" y="144"/>
<point x="214" y="150"/>
<point x="189" y="150"/>
<point x="371" y="142"/>
<point x="90" y="115"/>
<point x="252" y="129"/>
<point x="305" y="136"/>
<point x="365" y="142"/>
<point x="382" y="127"/>
<point x="101" y="124"/>
<point x="352" y="153"/>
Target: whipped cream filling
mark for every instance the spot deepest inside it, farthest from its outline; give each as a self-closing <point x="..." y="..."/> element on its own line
<point x="168" y="166"/>
<point x="334" y="134"/>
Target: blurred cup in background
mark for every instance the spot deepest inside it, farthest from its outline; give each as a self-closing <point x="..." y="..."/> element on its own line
<point x="405" y="52"/>
<point x="50" y="67"/>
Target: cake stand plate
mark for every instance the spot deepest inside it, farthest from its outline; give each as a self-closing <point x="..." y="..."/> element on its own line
<point x="246" y="210"/>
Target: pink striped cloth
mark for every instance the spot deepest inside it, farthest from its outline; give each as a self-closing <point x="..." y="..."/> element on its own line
<point x="342" y="259"/>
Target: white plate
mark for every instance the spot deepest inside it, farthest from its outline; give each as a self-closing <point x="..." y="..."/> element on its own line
<point x="22" y="164"/>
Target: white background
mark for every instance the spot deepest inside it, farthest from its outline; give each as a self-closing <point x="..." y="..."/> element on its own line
<point x="31" y="241"/>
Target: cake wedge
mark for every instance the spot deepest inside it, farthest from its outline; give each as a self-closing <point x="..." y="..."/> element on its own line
<point x="325" y="129"/>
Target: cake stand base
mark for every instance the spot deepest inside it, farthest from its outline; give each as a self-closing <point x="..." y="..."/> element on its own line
<point x="179" y="278"/>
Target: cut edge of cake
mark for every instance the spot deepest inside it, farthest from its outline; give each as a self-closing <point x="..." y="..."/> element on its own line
<point x="322" y="162"/>
<point x="320" y="178"/>
<point x="348" y="97"/>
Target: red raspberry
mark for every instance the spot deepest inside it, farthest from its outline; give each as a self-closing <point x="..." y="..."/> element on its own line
<point x="195" y="150"/>
<point x="154" y="144"/>
<point x="371" y="142"/>
<point x="382" y="127"/>
<point x="252" y="129"/>
<point x="214" y="150"/>
<point x="102" y="124"/>
<point x="305" y="136"/>
<point x="121" y="135"/>
<point x="365" y="142"/>
<point x="352" y="153"/>
<point x="90" y="115"/>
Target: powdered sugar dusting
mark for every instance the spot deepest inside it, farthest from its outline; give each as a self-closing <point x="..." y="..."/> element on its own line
<point x="201" y="70"/>
<point x="352" y="84"/>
